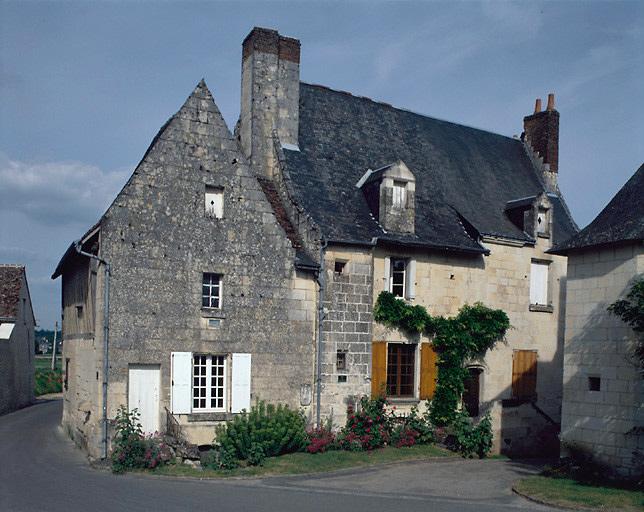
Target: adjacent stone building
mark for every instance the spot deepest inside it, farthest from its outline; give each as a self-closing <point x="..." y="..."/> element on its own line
<point x="603" y="402"/>
<point x="17" y="346"/>
<point x="245" y="266"/>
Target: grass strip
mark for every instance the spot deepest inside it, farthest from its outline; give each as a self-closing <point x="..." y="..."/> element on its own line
<point x="568" y="493"/>
<point x="303" y="463"/>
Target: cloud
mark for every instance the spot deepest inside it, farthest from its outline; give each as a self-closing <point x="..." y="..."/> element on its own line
<point x="57" y="193"/>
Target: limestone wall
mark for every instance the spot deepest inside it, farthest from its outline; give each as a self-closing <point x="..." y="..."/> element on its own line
<point x="599" y="346"/>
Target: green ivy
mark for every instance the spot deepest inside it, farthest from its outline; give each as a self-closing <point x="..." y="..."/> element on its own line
<point x="474" y="330"/>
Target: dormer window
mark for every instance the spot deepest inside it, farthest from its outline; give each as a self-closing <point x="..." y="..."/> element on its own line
<point x="542" y="223"/>
<point x="399" y="199"/>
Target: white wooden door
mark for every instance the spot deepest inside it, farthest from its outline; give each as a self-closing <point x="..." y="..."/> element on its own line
<point x="143" y="394"/>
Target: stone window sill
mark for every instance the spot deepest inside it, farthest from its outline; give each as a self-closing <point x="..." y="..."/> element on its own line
<point x="541" y="308"/>
<point x="212" y="313"/>
<point x="403" y="400"/>
<point x="209" y="416"/>
<point x="543" y="235"/>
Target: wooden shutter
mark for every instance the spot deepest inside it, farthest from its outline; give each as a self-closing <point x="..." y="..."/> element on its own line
<point x="428" y="371"/>
<point x="524" y="373"/>
<point x="411" y="279"/>
<point x="539" y="283"/>
<point x="241" y="382"/>
<point x="387" y="287"/>
<point x="181" y="394"/>
<point x="378" y="368"/>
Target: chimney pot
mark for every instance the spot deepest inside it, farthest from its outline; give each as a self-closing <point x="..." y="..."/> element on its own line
<point x="537" y="106"/>
<point x="551" y="102"/>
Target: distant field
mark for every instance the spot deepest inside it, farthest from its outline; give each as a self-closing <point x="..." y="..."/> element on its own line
<point x="44" y="362"/>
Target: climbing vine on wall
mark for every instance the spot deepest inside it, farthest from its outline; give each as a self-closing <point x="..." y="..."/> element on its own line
<point x="470" y="333"/>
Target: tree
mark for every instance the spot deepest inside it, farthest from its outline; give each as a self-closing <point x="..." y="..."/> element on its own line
<point x="631" y="311"/>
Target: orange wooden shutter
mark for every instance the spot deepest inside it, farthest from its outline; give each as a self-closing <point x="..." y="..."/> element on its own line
<point x="524" y="373"/>
<point x="378" y="368"/>
<point x="428" y="371"/>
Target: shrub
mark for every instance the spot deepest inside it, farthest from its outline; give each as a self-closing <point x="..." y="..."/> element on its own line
<point x="275" y="430"/>
<point x="320" y="440"/>
<point x="130" y="449"/>
<point x="469" y="439"/>
<point x="366" y="429"/>
<point x="220" y="458"/>
<point x="402" y="435"/>
<point x="421" y="425"/>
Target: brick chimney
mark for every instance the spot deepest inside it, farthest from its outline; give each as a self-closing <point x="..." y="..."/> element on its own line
<point x="270" y="95"/>
<point x="541" y="133"/>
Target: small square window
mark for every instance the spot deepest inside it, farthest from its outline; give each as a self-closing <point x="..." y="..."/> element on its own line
<point x="341" y="360"/>
<point x="339" y="266"/>
<point x="342" y="378"/>
<point x="594" y="384"/>
<point x="211" y="290"/>
<point x="214" y="322"/>
<point x="79" y="312"/>
<point x="215" y="202"/>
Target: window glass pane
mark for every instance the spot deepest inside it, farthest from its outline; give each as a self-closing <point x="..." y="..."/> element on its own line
<point x="400" y="369"/>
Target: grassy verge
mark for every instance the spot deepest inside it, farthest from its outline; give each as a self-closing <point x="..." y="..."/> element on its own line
<point x="566" y="492"/>
<point x="300" y="463"/>
<point x="48" y="381"/>
<point x="43" y="362"/>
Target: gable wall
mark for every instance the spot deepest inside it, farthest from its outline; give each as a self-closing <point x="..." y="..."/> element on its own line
<point x="17" y="358"/>
<point x="599" y="344"/>
<point x="159" y="241"/>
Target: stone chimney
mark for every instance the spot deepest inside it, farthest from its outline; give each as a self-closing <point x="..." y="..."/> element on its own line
<point x="541" y="133"/>
<point x="270" y="95"/>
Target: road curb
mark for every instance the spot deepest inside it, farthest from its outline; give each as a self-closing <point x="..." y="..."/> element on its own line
<point x="547" y="503"/>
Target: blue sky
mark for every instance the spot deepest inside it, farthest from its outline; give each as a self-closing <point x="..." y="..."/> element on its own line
<point x="84" y="87"/>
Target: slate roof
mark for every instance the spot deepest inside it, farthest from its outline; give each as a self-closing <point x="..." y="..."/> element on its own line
<point x="10" y="285"/>
<point x="464" y="176"/>
<point x="621" y="221"/>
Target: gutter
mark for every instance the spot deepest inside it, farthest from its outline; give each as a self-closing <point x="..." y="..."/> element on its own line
<point x="106" y="331"/>
<point x="321" y="279"/>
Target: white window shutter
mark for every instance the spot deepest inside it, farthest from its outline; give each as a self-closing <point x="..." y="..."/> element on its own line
<point x="387" y="274"/>
<point x="539" y="284"/>
<point x="411" y="279"/>
<point x="241" y="382"/>
<point x="181" y="382"/>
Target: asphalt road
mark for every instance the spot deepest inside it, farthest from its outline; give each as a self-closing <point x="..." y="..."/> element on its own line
<point x="41" y="470"/>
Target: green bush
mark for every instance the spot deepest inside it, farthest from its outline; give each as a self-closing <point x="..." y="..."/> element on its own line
<point x="131" y="449"/>
<point x="269" y="429"/>
<point x="367" y="428"/>
<point x="220" y="458"/>
<point x="421" y="425"/>
<point x="470" y="439"/>
<point x="47" y="381"/>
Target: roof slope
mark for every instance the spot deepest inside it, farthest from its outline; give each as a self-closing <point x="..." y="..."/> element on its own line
<point x="621" y="221"/>
<point x="462" y="173"/>
<point x="10" y="285"/>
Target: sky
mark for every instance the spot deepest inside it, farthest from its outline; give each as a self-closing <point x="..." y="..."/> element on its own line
<point x="85" y="86"/>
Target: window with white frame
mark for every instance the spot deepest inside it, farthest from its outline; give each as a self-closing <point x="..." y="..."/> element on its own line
<point x="539" y="283"/>
<point x="399" y="194"/>
<point x="208" y="383"/>
<point x="542" y="222"/>
<point x="211" y="290"/>
<point x="215" y="202"/>
<point x="398" y="277"/>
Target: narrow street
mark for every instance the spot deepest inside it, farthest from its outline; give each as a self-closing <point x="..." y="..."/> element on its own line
<point x="41" y="470"/>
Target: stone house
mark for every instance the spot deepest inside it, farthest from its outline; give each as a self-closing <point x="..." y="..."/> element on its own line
<point x="245" y="265"/>
<point x="603" y="401"/>
<point x="17" y="345"/>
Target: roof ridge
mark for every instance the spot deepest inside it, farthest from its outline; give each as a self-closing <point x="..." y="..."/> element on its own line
<point x="408" y="111"/>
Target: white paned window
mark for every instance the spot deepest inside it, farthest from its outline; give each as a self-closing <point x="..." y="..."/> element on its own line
<point x="211" y="290"/>
<point x="400" y="194"/>
<point x="215" y="202"/>
<point x="539" y="283"/>
<point x="398" y="277"/>
<point x="208" y="383"/>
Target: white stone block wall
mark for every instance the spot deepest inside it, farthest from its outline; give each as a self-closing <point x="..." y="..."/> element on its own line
<point x="600" y="345"/>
